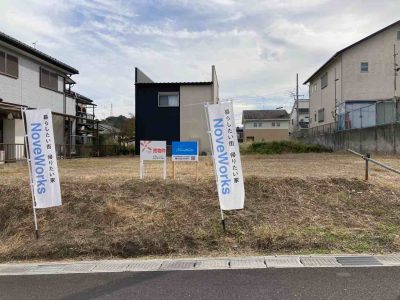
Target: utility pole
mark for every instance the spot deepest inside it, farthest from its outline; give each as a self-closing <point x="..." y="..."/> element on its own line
<point x="111" y="112"/>
<point x="297" y="100"/>
<point x="335" y="111"/>
<point x="395" y="69"/>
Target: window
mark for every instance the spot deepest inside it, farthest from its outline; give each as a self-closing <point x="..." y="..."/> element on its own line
<point x="278" y="124"/>
<point x="168" y="100"/>
<point x="2" y="62"/>
<point x="364" y="67"/>
<point x="259" y="124"/>
<point x="250" y="139"/>
<point x="315" y="117"/>
<point x="48" y="79"/>
<point x="273" y="124"/>
<point x="255" y="124"/>
<point x="313" y="88"/>
<point x="324" y="81"/>
<point x="398" y="35"/>
<point x="321" y="115"/>
<point x="8" y="64"/>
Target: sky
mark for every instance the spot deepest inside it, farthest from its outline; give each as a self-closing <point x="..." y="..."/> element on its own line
<point x="256" y="46"/>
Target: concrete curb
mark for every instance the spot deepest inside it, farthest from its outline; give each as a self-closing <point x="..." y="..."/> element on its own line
<point x="219" y="263"/>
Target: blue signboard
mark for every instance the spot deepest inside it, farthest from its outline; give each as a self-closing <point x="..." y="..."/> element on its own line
<point x="185" y="151"/>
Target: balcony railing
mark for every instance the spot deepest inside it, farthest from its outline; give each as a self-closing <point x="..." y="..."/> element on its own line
<point x="85" y="115"/>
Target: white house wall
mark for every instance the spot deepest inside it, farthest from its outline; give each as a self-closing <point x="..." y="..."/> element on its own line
<point x="26" y="90"/>
<point x="70" y="106"/>
<point x="302" y="116"/>
<point x="325" y="98"/>
<point x="9" y="131"/>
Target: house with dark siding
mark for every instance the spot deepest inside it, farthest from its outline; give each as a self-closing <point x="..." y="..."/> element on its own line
<point x="173" y="111"/>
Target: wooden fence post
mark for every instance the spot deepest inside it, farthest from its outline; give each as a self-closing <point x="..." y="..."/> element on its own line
<point x="366" y="165"/>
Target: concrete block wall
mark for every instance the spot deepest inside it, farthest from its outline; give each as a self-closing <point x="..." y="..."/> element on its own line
<point x="384" y="139"/>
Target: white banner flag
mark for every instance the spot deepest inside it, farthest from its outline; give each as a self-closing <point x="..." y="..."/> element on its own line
<point x="43" y="158"/>
<point x="226" y="153"/>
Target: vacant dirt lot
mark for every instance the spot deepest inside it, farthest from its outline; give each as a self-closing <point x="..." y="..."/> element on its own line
<point x="303" y="203"/>
<point x="323" y="165"/>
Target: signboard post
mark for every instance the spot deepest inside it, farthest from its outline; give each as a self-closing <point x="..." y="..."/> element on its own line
<point x="153" y="150"/>
<point x="42" y="160"/>
<point x="226" y="156"/>
<point x="185" y="151"/>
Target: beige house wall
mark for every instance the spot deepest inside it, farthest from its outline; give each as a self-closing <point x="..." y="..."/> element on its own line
<point x="378" y="83"/>
<point x="266" y="124"/>
<point x="193" y="124"/>
<point x="215" y="85"/>
<point x="266" y="132"/>
<point x="352" y="84"/>
<point x="266" y="135"/>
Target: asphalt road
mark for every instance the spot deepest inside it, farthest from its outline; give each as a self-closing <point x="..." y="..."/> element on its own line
<point x="300" y="283"/>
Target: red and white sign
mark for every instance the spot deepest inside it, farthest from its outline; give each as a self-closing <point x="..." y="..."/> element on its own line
<point x="153" y="150"/>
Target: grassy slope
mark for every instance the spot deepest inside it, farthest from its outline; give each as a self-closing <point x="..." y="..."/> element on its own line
<point x="127" y="217"/>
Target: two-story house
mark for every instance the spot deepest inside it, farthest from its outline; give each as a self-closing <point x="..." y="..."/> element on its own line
<point x="265" y="125"/>
<point x="33" y="79"/>
<point x="347" y="88"/>
<point x="299" y="117"/>
<point x="173" y="111"/>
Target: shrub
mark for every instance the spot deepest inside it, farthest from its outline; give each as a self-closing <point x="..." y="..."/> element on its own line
<point x="279" y="147"/>
<point x="127" y="150"/>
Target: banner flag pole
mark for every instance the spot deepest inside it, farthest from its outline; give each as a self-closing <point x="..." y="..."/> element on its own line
<point x="212" y="154"/>
<point x="165" y="167"/>
<point x="197" y="167"/>
<point x="28" y="160"/>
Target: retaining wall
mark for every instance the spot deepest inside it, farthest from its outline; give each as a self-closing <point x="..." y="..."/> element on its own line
<point x="383" y="139"/>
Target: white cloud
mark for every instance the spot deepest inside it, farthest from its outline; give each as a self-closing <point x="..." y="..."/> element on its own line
<point x="257" y="47"/>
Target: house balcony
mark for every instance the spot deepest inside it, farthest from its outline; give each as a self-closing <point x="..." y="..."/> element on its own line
<point x="85" y="115"/>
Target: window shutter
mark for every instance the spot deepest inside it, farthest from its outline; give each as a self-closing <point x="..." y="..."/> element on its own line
<point x="324" y="80"/>
<point x="2" y="62"/>
<point x="321" y="115"/>
<point x="44" y="78"/>
<point x="12" y="65"/>
<point x="53" y="82"/>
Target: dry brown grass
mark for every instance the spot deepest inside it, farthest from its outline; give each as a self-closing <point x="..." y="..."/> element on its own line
<point x="294" y="203"/>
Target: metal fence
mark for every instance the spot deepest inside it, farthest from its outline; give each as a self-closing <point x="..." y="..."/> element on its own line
<point x="12" y="152"/>
<point x="16" y="152"/>
<point x="323" y="129"/>
<point x="358" y="116"/>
